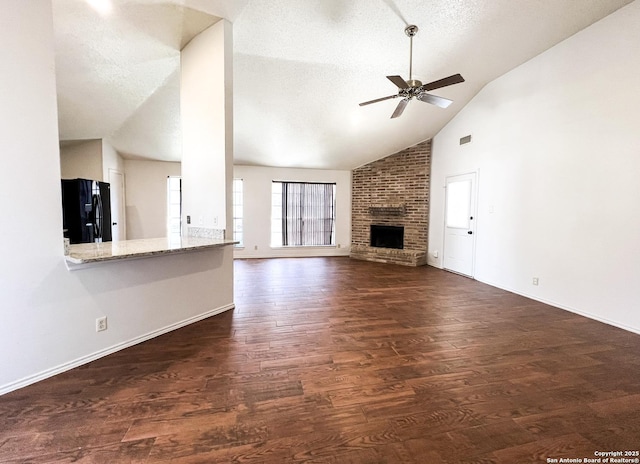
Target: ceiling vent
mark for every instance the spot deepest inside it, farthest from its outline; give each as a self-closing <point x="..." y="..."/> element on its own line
<point x="465" y="139"/>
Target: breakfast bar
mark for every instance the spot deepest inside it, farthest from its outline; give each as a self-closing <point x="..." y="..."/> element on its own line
<point x="85" y="254"/>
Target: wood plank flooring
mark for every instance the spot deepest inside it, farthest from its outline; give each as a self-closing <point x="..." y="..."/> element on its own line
<point x="331" y="360"/>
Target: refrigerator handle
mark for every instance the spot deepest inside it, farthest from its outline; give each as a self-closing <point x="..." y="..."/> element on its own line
<point x="97" y="217"/>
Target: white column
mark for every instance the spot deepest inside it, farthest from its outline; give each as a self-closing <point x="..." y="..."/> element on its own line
<point x="207" y="125"/>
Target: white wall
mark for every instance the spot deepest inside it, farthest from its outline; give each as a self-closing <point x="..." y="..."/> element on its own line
<point x="82" y="160"/>
<point x="207" y="126"/>
<point x="257" y="210"/>
<point x="89" y="159"/>
<point x="47" y="321"/>
<point x="111" y="160"/>
<point x="556" y="143"/>
<point x="146" y="200"/>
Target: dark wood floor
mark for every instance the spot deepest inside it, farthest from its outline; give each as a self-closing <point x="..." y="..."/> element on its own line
<point x="330" y="360"/>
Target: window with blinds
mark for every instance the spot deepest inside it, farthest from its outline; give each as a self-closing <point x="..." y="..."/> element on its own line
<point x="302" y="214"/>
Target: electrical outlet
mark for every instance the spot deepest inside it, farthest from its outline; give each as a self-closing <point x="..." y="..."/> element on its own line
<point x="188" y="219"/>
<point x="435" y="254"/>
<point x="101" y="324"/>
<point x="535" y="281"/>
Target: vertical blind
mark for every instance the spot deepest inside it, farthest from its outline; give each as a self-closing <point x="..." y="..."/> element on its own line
<point x="308" y="214"/>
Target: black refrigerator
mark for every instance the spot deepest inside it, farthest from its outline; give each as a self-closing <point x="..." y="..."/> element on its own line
<point x="86" y="210"/>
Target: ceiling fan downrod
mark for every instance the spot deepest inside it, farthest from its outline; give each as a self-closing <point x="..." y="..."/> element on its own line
<point x="413" y="88"/>
<point x="411" y="31"/>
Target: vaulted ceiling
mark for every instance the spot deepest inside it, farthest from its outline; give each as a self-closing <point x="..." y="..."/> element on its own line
<point x="300" y="69"/>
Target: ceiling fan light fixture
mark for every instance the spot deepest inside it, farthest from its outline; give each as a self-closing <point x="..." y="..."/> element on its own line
<point x="411" y="88"/>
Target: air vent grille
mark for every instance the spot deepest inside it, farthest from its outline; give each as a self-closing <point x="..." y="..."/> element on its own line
<point x="465" y="139"/>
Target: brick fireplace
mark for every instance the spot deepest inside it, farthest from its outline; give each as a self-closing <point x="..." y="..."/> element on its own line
<point x="392" y="195"/>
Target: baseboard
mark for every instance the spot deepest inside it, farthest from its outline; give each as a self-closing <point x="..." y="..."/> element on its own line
<point x="110" y="350"/>
<point x="579" y="312"/>
<point x="293" y="252"/>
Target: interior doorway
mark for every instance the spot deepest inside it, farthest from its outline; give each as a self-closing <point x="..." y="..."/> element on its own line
<point x="460" y="220"/>
<point x="118" y="230"/>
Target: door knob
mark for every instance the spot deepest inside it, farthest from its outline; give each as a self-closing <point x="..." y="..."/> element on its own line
<point x="470" y="232"/>
<point x="114" y="223"/>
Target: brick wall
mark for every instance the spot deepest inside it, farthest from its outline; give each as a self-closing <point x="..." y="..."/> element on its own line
<point x="392" y="191"/>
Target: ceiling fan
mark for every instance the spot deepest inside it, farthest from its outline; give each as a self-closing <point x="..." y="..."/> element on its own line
<point x="413" y="88"/>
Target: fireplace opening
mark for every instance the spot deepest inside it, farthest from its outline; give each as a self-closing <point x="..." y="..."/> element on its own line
<point x="387" y="237"/>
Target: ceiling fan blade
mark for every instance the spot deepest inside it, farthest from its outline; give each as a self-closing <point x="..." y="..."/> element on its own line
<point x="399" y="81"/>
<point x="400" y="108"/>
<point x="435" y="100"/>
<point x="377" y="100"/>
<point x="455" y="79"/>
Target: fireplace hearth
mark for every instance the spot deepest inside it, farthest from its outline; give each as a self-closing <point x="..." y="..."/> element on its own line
<point x="387" y="236"/>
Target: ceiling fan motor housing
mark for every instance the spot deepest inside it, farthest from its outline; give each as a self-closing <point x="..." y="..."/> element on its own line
<point x="413" y="88"/>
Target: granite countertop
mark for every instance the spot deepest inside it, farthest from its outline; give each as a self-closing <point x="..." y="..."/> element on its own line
<point x="85" y="253"/>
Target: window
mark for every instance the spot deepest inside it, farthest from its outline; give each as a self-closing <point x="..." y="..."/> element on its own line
<point x="237" y="212"/>
<point x="174" y="206"/>
<point x="276" y="214"/>
<point x="458" y="209"/>
<point x="302" y="214"/>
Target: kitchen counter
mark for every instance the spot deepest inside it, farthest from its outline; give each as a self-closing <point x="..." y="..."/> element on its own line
<point x="89" y="253"/>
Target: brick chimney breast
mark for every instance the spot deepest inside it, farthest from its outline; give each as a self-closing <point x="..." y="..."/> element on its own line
<point x="392" y="191"/>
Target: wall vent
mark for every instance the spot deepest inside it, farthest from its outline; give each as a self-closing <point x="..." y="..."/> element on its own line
<point x="465" y="139"/>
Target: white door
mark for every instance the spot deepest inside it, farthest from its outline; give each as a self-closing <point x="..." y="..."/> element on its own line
<point x="118" y="231"/>
<point x="459" y="229"/>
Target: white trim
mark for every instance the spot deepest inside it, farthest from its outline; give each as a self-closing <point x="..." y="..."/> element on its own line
<point x="579" y="312"/>
<point x="551" y="303"/>
<point x="110" y="350"/>
<point x="123" y="213"/>
<point x="474" y="211"/>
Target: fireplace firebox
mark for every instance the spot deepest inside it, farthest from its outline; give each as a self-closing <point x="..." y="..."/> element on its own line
<point x="387" y="236"/>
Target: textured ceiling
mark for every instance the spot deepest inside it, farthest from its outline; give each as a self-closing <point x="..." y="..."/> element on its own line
<point x="300" y="69"/>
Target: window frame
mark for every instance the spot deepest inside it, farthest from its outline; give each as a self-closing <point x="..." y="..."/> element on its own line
<point x="171" y="201"/>
<point x="237" y="206"/>
<point x="277" y="220"/>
